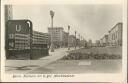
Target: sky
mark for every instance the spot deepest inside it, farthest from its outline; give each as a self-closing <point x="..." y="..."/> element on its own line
<point x="92" y="21"/>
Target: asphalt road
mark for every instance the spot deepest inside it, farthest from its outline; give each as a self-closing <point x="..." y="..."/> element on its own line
<point x="24" y="66"/>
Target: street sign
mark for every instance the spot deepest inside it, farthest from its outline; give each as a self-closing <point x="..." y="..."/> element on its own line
<point x="18" y="26"/>
<point x="18" y="34"/>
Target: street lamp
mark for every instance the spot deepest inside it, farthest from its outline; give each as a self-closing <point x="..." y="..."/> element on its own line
<point x="68" y="37"/>
<point x="75" y="39"/>
<point x="52" y="45"/>
<point x="79" y="40"/>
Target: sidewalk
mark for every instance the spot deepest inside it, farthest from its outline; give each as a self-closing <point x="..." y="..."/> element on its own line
<point x="24" y="66"/>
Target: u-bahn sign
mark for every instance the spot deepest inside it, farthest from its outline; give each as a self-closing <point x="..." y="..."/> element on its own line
<point x="17" y="27"/>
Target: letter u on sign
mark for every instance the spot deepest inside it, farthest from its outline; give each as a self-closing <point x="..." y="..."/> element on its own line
<point x="18" y="28"/>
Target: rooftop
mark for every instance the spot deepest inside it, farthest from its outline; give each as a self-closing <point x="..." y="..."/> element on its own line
<point x="120" y="23"/>
<point x="56" y="28"/>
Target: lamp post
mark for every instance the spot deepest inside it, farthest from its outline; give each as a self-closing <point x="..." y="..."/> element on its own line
<point x="79" y="40"/>
<point x="52" y="45"/>
<point x="68" y="37"/>
<point x="75" y="39"/>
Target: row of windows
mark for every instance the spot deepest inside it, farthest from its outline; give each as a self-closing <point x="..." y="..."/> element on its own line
<point x="25" y="39"/>
<point x="22" y="35"/>
<point x="27" y="42"/>
<point x="40" y="42"/>
<point x="17" y="45"/>
<point x="38" y="35"/>
<point x="23" y="46"/>
<point x="55" y="36"/>
<point x="21" y="39"/>
<point x="22" y="43"/>
<point x="16" y="36"/>
<point x="40" y="38"/>
<point x="114" y="36"/>
<point x="19" y="48"/>
<point x="55" y="30"/>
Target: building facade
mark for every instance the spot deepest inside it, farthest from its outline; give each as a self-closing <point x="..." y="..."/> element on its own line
<point x="104" y="41"/>
<point x="72" y="40"/>
<point x="97" y="43"/>
<point x="115" y="35"/>
<point x="59" y="36"/>
<point x="82" y="43"/>
<point x="41" y="38"/>
<point x="65" y="39"/>
<point x="89" y="43"/>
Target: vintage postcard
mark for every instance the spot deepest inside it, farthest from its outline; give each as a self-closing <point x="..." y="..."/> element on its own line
<point x="64" y="41"/>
